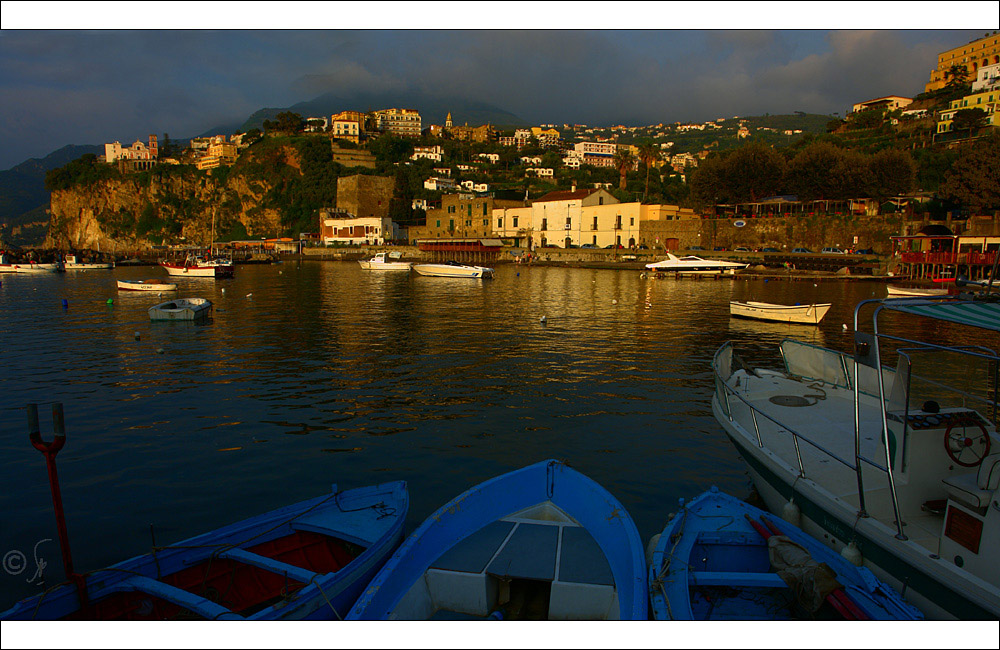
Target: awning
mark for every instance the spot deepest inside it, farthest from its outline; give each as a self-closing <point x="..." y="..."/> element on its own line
<point x="985" y="315"/>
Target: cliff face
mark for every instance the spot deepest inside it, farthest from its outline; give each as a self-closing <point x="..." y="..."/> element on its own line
<point x="141" y="210"/>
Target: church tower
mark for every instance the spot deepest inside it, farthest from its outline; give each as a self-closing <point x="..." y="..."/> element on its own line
<point x="447" y="122"/>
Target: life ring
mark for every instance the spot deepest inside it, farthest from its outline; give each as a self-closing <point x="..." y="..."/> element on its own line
<point x="955" y="445"/>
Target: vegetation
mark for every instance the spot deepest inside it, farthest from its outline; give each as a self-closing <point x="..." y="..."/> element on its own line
<point x="974" y="179"/>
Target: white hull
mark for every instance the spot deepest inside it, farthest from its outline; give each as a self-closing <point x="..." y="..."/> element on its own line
<point x="693" y="264"/>
<point x="85" y="267"/>
<point x="806" y="314"/>
<point x="369" y="265"/>
<point x="909" y="292"/>
<point x="181" y="309"/>
<point x="147" y="285"/>
<point x="29" y="268"/>
<point x="453" y="271"/>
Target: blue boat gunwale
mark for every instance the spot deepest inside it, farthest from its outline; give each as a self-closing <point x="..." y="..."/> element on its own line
<point x="549" y="480"/>
<point x="858" y="582"/>
<point x="276" y="523"/>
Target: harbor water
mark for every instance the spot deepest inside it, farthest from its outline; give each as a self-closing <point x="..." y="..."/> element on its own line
<point x="312" y="373"/>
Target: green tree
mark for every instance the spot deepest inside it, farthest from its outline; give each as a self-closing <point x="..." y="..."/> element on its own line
<point x="811" y="171"/>
<point x="709" y="182"/>
<point x="285" y="122"/>
<point x="754" y="171"/>
<point x="972" y="119"/>
<point x="649" y="154"/>
<point x="974" y="179"/>
<point x="624" y="162"/>
<point x="891" y="172"/>
<point x="391" y="149"/>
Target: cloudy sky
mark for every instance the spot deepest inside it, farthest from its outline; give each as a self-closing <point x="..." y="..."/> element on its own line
<point x="89" y="73"/>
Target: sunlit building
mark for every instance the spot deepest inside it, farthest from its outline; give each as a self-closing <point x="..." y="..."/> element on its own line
<point x="972" y="56"/>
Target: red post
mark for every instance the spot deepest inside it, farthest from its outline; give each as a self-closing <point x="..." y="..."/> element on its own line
<point x="49" y="450"/>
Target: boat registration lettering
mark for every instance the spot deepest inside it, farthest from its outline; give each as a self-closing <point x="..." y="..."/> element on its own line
<point x="964" y="528"/>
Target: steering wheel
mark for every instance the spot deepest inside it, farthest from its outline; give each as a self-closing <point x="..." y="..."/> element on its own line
<point x="957" y="443"/>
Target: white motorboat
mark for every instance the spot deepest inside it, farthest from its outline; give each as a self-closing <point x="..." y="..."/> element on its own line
<point x="896" y="291"/>
<point x="694" y="264"/>
<point x="182" y="309"/>
<point x="72" y="263"/>
<point x="385" y="262"/>
<point x="197" y="266"/>
<point x="145" y="285"/>
<point x="808" y="314"/>
<point x="453" y="270"/>
<point x="895" y="465"/>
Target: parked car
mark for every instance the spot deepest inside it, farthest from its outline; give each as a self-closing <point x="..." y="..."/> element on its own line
<point x="719" y="248"/>
<point x="865" y="251"/>
<point x="614" y="246"/>
<point x="769" y="250"/>
<point x="696" y="248"/>
<point x="741" y="249"/>
<point x="643" y="247"/>
<point x="801" y="249"/>
<point x="833" y="250"/>
<point x="588" y="245"/>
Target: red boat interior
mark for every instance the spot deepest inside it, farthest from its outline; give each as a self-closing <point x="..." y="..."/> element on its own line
<point x="240" y="587"/>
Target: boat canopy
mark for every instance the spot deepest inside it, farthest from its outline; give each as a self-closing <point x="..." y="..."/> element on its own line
<point x="985" y="315"/>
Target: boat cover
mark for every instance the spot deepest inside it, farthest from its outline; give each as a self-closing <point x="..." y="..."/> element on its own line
<point x="985" y="315"/>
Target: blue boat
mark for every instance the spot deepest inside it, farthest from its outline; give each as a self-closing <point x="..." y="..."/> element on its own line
<point x="720" y="558"/>
<point x="541" y="543"/>
<point x="309" y="560"/>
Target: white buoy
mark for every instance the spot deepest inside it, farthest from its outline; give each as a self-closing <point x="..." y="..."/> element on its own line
<point x="614" y="302"/>
<point x="223" y="290"/>
<point x="852" y="554"/>
<point x="159" y="350"/>
<point x="844" y="325"/>
<point x="791" y="513"/>
<point x="249" y="295"/>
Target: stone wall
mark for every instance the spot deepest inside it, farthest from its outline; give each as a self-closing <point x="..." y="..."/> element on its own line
<point x="365" y="196"/>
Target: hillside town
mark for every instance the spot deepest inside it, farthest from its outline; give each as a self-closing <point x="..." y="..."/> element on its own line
<point x="461" y="187"/>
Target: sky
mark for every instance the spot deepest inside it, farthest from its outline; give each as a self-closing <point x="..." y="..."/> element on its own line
<point x="91" y="73"/>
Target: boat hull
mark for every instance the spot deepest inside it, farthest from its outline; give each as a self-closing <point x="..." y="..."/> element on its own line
<point x="711" y="563"/>
<point x="269" y="558"/>
<point x="145" y="285"/>
<point x="369" y="265"/>
<point x="29" y="268"/>
<point x="181" y="309"/>
<point x="506" y="533"/>
<point x="450" y="271"/>
<point x="803" y="314"/>
<point x="928" y="582"/>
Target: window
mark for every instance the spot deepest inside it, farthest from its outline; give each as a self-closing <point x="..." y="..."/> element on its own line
<point x="451" y="209"/>
<point x="438" y="224"/>
<point x="514" y="222"/>
<point x="484" y="210"/>
<point x="451" y="224"/>
<point x="545" y="224"/>
<point x="631" y="221"/>
<point x="500" y="223"/>
<point x="594" y="227"/>
<point x="468" y="223"/>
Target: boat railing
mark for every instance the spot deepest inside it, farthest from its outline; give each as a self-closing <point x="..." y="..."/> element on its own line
<point x="723" y="369"/>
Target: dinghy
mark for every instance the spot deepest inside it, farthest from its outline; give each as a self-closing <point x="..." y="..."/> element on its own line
<point x="145" y="285"/>
<point x="309" y="560"/>
<point x="720" y="558"/>
<point x="182" y="309"/>
<point x="810" y="314"/>
<point x="543" y="542"/>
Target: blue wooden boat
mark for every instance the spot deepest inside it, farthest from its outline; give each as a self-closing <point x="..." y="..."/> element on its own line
<point x="541" y="543"/>
<point x="720" y="558"/>
<point x="309" y="560"/>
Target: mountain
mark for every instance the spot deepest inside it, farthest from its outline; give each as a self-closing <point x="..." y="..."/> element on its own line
<point x="433" y="109"/>
<point x="23" y="193"/>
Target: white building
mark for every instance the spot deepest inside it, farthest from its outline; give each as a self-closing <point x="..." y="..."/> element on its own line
<point x="345" y="228"/>
<point x="438" y="183"/>
<point x="598" y="154"/>
<point x="435" y="153"/>
<point x="531" y="160"/>
<point x="404" y="122"/>
<point x="987" y="78"/>
<point x="493" y="158"/>
<point x="540" y="172"/>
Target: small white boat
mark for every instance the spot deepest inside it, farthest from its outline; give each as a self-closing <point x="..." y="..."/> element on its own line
<point x="694" y="264"/>
<point x="7" y="265"/>
<point x="453" y="270"/>
<point x="145" y="285"/>
<point x="809" y="314"/>
<point x="71" y="263"/>
<point x="896" y="291"/>
<point x="383" y="262"/>
<point x="197" y="266"/>
<point x="181" y="309"/>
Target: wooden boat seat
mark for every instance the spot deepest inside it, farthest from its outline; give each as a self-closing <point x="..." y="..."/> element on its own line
<point x="530" y="554"/>
<point x="582" y="560"/>
<point x="200" y="606"/>
<point x="268" y="564"/>
<point x="472" y="554"/>
<point x="735" y="579"/>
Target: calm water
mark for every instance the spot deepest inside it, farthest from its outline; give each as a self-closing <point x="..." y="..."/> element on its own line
<point x="318" y="372"/>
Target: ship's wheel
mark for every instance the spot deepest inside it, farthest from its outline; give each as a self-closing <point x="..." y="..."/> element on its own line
<point x="964" y="449"/>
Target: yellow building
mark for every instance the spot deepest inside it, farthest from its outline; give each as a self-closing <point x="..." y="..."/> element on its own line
<point x="972" y="56"/>
<point x="987" y="101"/>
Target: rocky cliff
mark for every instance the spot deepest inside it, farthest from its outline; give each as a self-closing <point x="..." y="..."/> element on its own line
<point x="171" y="205"/>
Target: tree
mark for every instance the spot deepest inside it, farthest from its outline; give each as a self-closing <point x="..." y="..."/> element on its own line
<point x="286" y="122"/>
<point x="974" y="179"/>
<point x="969" y="118"/>
<point x="649" y="154"/>
<point x="811" y="171"/>
<point x="891" y="172"/>
<point x="754" y="171"/>
<point x="624" y="161"/>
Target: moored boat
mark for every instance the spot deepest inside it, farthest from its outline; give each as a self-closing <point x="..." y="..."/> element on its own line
<point x="309" y="560"/>
<point x="196" y="266"/>
<point x="719" y="558"/>
<point x="9" y="265"/>
<point x="182" y="309"/>
<point x="889" y="452"/>
<point x="899" y="291"/>
<point x="542" y="542"/>
<point x="807" y="314"/>
<point x="453" y="270"/>
<point x="72" y="263"/>
<point x="145" y="285"/>
<point x="385" y="262"/>
<point x="694" y="264"/>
